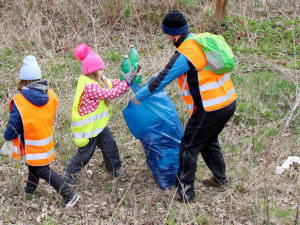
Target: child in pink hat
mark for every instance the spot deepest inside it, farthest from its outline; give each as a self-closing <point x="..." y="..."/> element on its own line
<point x="91" y="112"/>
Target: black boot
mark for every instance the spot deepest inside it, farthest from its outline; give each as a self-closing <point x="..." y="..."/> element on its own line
<point x="71" y="180"/>
<point x="186" y="192"/>
<point x="71" y="200"/>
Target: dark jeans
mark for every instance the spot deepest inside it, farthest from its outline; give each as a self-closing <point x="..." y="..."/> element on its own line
<point x="47" y="174"/>
<point x="201" y="136"/>
<point x="108" y="146"/>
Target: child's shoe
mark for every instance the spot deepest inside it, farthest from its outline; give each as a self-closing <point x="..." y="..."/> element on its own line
<point x="71" y="200"/>
<point x="119" y="174"/>
<point x="71" y="180"/>
<point x="28" y="192"/>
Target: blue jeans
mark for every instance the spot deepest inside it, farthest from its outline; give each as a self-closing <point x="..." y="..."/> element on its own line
<point x="108" y="146"/>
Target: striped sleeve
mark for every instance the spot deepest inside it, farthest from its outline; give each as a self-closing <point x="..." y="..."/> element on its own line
<point x="177" y="66"/>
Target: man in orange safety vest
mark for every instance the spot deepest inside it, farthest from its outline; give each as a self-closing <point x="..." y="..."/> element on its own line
<point x="210" y="99"/>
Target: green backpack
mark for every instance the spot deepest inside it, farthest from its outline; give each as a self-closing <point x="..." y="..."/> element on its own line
<point x="219" y="56"/>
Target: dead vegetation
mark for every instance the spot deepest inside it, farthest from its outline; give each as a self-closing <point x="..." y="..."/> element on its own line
<point x="51" y="29"/>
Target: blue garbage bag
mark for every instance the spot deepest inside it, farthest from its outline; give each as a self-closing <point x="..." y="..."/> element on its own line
<point x="156" y="124"/>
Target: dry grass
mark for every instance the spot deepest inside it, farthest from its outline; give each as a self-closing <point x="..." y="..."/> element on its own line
<point x="51" y="29"/>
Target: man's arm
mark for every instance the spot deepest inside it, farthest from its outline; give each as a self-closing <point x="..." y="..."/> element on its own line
<point x="177" y="66"/>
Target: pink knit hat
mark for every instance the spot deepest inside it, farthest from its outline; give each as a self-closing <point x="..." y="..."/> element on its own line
<point x="90" y="62"/>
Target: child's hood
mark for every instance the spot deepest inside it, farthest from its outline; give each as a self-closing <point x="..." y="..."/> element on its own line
<point x="36" y="92"/>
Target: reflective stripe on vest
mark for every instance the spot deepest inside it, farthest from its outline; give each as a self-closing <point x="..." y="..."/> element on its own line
<point x="219" y="100"/>
<point x="18" y="148"/>
<point x="38" y="130"/>
<point x="35" y="156"/>
<point x="45" y="141"/>
<point x="217" y="84"/>
<point x="216" y="91"/>
<point x="88" y="135"/>
<point x="90" y="119"/>
<point x="90" y="125"/>
<point x="16" y="153"/>
<point x="185" y="92"/>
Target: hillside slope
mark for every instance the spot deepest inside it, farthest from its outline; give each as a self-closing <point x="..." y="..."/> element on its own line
<point x="263" y="133"/>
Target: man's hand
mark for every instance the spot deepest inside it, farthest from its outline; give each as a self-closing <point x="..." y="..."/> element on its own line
<point x="134" y="100"/>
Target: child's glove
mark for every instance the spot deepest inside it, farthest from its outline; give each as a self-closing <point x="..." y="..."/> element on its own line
<point x="129" y="76"/>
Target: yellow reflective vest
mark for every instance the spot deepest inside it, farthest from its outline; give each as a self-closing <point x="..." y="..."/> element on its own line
<point x="90" y="125"/>
<point x="216" y="91"/>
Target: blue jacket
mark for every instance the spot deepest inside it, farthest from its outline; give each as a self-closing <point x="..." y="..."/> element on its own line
<point x="37" y="94"/>
<point x="177" y="66"/>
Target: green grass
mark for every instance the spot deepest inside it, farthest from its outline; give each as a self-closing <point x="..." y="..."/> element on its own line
<point x="273" y="39"/>
<point x="265" y="94"/>
<point x="254" y="142"/>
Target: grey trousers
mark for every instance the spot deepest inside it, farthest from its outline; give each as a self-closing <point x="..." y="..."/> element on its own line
<point x="108" y="146"/>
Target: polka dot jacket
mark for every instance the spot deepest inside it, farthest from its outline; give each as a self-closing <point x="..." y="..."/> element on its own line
<point x="93" y="93"/>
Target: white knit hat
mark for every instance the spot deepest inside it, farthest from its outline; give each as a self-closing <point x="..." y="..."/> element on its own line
<point x="30" y="69"/>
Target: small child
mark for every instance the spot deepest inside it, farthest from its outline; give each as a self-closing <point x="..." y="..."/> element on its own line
<point x="91" y="112"/>
<point x="30" y="127"/>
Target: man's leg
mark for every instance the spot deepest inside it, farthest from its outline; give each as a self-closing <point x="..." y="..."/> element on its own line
<point x="213" y="158"/>
<point x="212" y="152"/>
<point x="200" y="130"/>
<point x="192" y="142"/>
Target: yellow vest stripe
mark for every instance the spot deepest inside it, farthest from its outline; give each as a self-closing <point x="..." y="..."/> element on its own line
<point x="90" y="119"/>
<point x="39" y="142"/>
<point x="87" y="134"/>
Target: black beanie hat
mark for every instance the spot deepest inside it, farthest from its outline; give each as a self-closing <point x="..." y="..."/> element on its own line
<point x="174" y="23"/>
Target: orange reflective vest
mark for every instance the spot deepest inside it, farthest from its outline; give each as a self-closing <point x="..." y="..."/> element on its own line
<point x="38" y="146"/>
<point x="216" y="91"/>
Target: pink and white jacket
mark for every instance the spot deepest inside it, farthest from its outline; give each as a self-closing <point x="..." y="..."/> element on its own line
<point x="93" y="93"/>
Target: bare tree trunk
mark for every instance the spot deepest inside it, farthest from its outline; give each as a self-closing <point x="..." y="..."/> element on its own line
<point x="225" y="4"/>
<point x="221" y="10"/>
